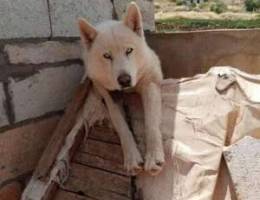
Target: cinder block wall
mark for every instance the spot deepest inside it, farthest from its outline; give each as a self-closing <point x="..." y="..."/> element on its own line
<point x="40" y="67"/>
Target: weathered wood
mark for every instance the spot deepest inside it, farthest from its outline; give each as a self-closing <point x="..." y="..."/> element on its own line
<point x="98" y="184"/>
<point x="105" y="134"/>
<point x="46" y="189"/>
<point x="92" y="112"/>
<point x="63" y="128"/>
<point x="65" y="195"/>
<point x="51" y="191"/>
<point x="21" y="148"/>
<point x="53" y="187"/>
<point x="104" y="150"/>
<point x="99" y="154"/>
<point x="99" y="162"/>
<point x="78" y="140"/>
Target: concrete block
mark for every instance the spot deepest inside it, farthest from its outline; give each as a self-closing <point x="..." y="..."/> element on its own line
<point x="24" y="19"/>
<point x="64" y="14"/>
<point x="46" y="52"/>
<point x="147" y="9"/>
<point x="243" y="160"/>
<point x="21" y="148"/>
<point x="48" y="91"/>
<point x="3" y="117"/>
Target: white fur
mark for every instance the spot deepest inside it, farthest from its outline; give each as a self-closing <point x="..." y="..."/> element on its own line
<point x="143" y="66"/>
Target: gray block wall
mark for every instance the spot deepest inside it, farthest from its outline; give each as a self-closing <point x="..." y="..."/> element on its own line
<point x="40" y="53"/>
<point x="58" y="18"/>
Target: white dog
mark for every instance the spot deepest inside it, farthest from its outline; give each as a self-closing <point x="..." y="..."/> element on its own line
<point x="117" y="57"/>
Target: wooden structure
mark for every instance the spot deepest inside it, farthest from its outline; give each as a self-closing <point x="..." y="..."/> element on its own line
<point x="201" y="116"/>
<point x="83" y="159"/>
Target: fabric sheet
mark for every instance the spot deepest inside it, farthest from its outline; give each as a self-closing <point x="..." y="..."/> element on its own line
<point x="201" y="116"/>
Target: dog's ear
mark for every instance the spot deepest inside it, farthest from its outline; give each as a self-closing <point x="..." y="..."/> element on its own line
<point x="87" y="32"/>
<point x="133" y="19"/>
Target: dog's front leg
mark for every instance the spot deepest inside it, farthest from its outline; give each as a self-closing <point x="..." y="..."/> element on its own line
<point x="133" y="160"/>
<point x="152" y="102"/>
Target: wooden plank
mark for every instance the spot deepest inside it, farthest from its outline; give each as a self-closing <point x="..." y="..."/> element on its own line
<point x="98" y="184"/>
<point x="99" y="162"/>
<point x="63" y="128"/>
<point x="22" y="147"/>
<point x="105" y="134"/>
<point x="65" y="195"/>
<point x="50" y="186"/>
<point x="50" y="192"/>
<point x="107" y="151"/>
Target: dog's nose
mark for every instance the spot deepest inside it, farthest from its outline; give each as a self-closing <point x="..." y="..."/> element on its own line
<point x="124" y="80"/>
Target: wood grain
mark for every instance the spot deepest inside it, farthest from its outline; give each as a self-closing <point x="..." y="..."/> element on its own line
<point x="61" y="131"/>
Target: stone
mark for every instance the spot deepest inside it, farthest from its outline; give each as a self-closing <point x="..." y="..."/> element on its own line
<point x="147" y="9"/>
<point x="243" y="161"/>
<point x="3" y="116"/>
<point x="47" y="91"/>
<point x="24" y="19"/>
<point x="64" y="14"/>
<point x="46" y="52"/>
<point x="21" y="148"/>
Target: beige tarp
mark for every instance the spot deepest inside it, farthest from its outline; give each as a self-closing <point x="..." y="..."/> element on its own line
<point x="201" y="116"/>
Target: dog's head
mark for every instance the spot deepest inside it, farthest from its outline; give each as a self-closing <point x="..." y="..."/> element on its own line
<point x="115" y="50"/>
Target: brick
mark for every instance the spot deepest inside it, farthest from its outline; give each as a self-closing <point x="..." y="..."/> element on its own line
<point x="64" y="14"/>
<point x="243" y="160"/>
<point x="47" y="91"/>
<point x="46" y="52"/>
<point x="147" y="9"/>
<point x="24" y="19"/>
<point x="21" y="148"/>
<point x="3" y="117"/>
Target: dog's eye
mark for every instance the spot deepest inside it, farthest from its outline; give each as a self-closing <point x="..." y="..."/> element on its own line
<point x="129" y="51"/>
<point x="107" y="56"/>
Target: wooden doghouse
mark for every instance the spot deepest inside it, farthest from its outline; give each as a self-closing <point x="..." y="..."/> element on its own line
<point x="202" y="116"/>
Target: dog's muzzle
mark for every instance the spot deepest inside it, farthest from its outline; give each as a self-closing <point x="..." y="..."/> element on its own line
<point x="124" y="80"/>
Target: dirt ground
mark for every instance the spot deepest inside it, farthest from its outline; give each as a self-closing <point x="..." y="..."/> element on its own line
<point x="168" y="9"/>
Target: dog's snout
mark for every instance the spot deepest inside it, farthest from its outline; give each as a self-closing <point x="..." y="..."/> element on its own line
<point x="124" y="80"/>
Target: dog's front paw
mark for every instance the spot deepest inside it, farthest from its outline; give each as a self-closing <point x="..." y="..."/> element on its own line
<point x="133" y="162"/>
<point x="154" y="161"/>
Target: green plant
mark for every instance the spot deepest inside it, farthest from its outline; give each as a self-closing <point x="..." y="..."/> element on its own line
<point x="193" y="5"/>
<point x="203" y="5"/>
<point x="180" y="2"/>
<point x="218" y="7"/>
<point x="174" y="24"/>
<point x="252" y="5"/>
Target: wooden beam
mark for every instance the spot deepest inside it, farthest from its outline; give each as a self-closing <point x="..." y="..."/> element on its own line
<point x="63" y="128"/>
<point x="39" y="189"/>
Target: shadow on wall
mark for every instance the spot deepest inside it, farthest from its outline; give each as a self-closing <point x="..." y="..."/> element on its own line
<point x="188" y="53"/>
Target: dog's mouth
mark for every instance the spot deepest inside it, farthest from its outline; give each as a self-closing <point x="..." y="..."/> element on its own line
<point x="124" y="90"/>
<point x="127" y="89"/>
